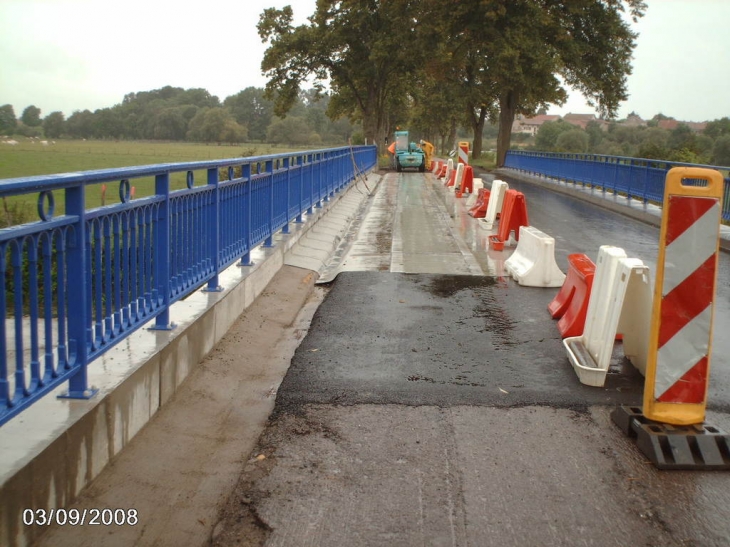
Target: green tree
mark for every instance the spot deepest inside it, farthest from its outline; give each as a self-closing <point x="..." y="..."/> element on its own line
<point x="721" y="151"/>
<point x="362" y="48"/>
<point x="80" y="124"/>
<point x="574" y="140"/>
<point x="171" y="123"/>
<point x="107" y="123"/>
<point x="31" y="116"/>
<point x="293" y="131"/>
<point x="54" y="125"/>
<point x="682" y="137"/>
<point x="215" y="125"/>
<point x="547" y="136"/>
<point x="529" y="44"/>
<point x="652" y="151"/>
<point x="8" y="121"/>
<point x="595" y="134"/>
<point x="251" y="109"/>
<point x="718" y="128"/>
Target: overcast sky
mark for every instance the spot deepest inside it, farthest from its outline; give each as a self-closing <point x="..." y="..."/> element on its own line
<point x="87" y="54"/>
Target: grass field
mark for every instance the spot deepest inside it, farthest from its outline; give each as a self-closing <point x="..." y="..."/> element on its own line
<point x="30" y="158"/>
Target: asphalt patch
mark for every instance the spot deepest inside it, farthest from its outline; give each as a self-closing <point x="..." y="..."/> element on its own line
<point x="421" y="339"/>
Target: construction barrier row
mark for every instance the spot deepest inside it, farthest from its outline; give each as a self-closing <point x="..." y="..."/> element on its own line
<point x="665" y="332"/>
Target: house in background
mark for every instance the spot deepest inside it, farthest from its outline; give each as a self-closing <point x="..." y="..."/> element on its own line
<point x="633" y="120"/>
<point x="580" y="120"/>
<point x="531" y="125"/>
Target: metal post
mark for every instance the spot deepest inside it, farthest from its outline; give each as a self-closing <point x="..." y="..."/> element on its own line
<point x="79" y="329"/>
<point x="269" y="242"/>
<point x="214" y="222"/>
<point x="162" y="252"/>
<point x="246" y="176"/>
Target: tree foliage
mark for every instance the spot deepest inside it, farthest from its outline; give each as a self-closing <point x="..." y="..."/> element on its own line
<point x="53" y="125"/>
<point x="362" y="49"/>
<point x="31" y="116"/>
<point x="504" y="56"/>
<point x="8" y="121"/>
<point x="681" y="144"/>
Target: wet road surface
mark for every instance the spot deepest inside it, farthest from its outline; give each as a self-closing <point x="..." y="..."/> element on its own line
<point x="433" y="404"/>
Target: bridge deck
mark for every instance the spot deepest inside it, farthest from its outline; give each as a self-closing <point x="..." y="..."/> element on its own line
<point x="427" y="405"/>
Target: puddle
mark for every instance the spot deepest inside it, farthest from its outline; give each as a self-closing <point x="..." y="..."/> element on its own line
<point x="445" y="286"/>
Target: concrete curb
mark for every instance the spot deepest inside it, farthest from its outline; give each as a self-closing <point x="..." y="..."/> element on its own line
<point x="55" y="448"/>
<point x="649" y="213"/>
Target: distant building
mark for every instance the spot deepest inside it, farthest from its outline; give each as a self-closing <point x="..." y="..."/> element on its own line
<point x="697" y="127"/>
<point x="531" y="125"/>
<point x="669" y="124"/>
<point x="580" y="120"/>
<point x="633" y="120"/>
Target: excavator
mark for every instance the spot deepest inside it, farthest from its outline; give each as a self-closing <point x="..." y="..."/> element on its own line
<point x="408" y="155"/>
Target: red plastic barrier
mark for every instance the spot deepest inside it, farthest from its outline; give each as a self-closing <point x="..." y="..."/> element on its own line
<point x="514" y="215"/>
<point x="452" y="178"/>
<point x="437" y="166"/>
<point x="442" y="171"/>
<point x="480" y="207"/>
<point x="467" y="182"/>
<point x="571" y="302"/>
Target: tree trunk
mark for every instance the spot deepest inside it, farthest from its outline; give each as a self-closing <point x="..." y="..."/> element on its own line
<point x="478" y="130"/>
<point x="370" y="128"/>
<point x="451" y="140"/>
<point x="507" y="108"/>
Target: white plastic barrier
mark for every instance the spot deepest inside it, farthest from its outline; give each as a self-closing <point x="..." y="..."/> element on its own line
<point x="449" y="169"/>
<point x="618" y="280"/>
<point x="532" y="264"/>
<point x="472" y="199"/>
<point x="496" y="198"/>
<point x="458" y="178"/>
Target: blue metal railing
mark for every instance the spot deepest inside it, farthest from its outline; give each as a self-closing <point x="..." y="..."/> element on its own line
<point x="637" y="178"/>
<point x="75" y="285"/>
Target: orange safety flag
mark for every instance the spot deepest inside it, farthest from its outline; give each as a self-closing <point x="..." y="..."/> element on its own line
<point x="391" y="148"/>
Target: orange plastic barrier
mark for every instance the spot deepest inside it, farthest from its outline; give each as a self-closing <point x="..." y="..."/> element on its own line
<point x="442" y="171"/>
<point x="571" y="303"/>
<point x="467" y="182"/>
<point x="480" y="208"/>
<point x="514" y="215"/>
<point x="437" y="166"/>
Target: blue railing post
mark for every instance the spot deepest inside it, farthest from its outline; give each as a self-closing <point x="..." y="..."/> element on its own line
<point x="285" y="165"/>
<point x="214" y="224"/>
<point x="300" y="164"/>
<point x="79" y="307"/>
<point x="162" y="252"/>
<point x="270" y="170"/>
<point x="246" y="176"/>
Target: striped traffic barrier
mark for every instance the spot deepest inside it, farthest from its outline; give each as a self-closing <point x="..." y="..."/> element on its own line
<point x="681" y="336"/>
<point x="670" y="429"/>
<point x="464" y="153"/>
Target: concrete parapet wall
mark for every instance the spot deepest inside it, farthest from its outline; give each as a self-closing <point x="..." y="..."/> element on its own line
<point x="55" y="448"/>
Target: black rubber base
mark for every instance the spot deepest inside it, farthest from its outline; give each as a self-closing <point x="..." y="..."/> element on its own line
<point x="698" y="447"/>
